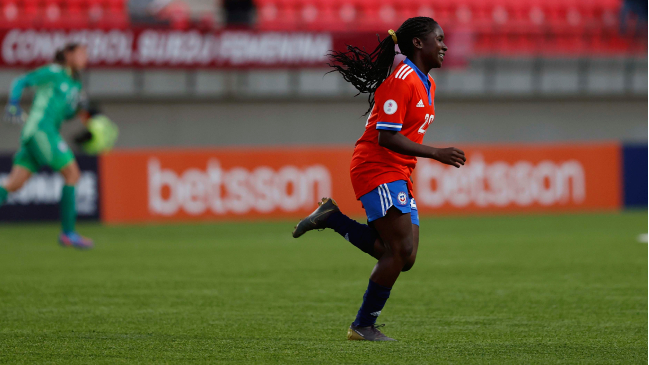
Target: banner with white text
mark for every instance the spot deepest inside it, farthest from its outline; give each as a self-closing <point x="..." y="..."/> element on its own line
<point x="38" y="199"/>
<point x="271" y="183"/>
<point x="160" y="48"/>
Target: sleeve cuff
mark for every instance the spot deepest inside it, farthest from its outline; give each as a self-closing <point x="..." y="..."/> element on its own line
<point x="389" y="126"/>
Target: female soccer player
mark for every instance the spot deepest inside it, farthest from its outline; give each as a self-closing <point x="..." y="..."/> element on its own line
<point x="401" y="110"/>
<point x="57" y="98"/>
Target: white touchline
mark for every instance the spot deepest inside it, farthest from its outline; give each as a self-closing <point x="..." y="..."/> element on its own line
<point x="642" y="238"/>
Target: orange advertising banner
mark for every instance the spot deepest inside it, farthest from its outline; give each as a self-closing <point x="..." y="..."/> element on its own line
<point x="269" y="183"/>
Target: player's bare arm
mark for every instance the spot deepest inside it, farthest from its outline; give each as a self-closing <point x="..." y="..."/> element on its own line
<point x="397" y="142"/>
<point x="83" y="116"/>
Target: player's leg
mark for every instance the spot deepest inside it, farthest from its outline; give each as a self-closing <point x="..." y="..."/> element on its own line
<point x="414" y="216"/>
<point x="410" y="262"/>
<point x="363" y="236"/>
<point x="395" y="230"/>
<point x="389" y="210"/>
<point x="379" y="248"/>
<point x="69" y="236"/>
<point x="16" y="179"/>
<point x="24" y="164"/>
<point x="71" y="174"/>
<point x="328" y="215"/>
<point x="397" y="234"/>
<point x="51" y="150"/>
<point x="375" y="202"/>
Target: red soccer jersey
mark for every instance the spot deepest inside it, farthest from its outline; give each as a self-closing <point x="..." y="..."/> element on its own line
<point x="403" y="103"/>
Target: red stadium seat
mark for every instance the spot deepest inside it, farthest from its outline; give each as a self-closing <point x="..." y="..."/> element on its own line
<point x="443" y="12"/>
<point x="309" y="15"/>
<point x="524" y="14"/>
<point x="178" y="15"/>
<point x="377" y="17"/>
<point x="116" y="6"/>
<point x="405" y="9"/>
<point x="368" y="15"/>
<point x="10" y="16"/>
<point x="95" y="11"/>
<point x="94" y="14"/>
<point x="484" y="14"/>
<point x="278" y="14"/>
<point x="207" y="21"/>
<point x="288" y="13"/>
<point x="76" y="4"/>
<point x="76" y="19"/>
<point x="52" y="15"/>
<point x="113" y="19"/>
<point x="348" y="13"/>
<point x="32" y="11"/>
<point x="323" y="15"/>
<point x="267" y="13"/>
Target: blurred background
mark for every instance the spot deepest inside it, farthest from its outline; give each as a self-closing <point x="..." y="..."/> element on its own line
<point x="239" y="73"/>
<point x="226" y="113"/>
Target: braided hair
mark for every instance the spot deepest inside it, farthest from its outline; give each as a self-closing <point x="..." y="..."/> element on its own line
<point x="367" y="71"/>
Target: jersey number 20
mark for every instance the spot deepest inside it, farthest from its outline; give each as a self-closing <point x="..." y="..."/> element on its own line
<point x="429" y="119"/>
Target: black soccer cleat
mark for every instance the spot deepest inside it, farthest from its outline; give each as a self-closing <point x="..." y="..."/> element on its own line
<point x="370" y="333"/>
<point x="317" y="219"/>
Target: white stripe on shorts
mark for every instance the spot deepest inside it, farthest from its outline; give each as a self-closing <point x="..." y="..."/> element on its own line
<point x="385" y="191"/>
<point x="389" y="196"/>
<point x="381" y="199"/>
<point x="386" y="194"/>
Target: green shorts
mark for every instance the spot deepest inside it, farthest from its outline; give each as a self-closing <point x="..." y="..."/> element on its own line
<point x="43" y="149"/>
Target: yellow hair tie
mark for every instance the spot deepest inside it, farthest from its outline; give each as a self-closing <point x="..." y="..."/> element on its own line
<point x="394" y="36"/>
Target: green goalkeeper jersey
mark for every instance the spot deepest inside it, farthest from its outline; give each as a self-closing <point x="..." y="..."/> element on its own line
<point x="56" y="98"/>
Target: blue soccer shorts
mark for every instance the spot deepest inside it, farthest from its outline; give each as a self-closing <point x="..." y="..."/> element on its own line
<point x="394" y="194"/>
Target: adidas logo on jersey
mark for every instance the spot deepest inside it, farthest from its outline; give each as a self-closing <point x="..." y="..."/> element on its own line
<point x="420" y="104"/>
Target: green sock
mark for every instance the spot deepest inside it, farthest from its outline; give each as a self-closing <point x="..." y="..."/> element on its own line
<point x="68" y="209"/>
<point x="3" y="195"/>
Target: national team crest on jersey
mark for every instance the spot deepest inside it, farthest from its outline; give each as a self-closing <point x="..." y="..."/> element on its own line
<point x="390" y="107"/>
<point x="403" y="198"/>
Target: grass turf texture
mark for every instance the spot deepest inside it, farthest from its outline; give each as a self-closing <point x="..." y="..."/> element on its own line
<point x="533" y="289"/>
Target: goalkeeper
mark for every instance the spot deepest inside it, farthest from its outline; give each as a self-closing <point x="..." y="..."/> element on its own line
<point x="57" y="99"/>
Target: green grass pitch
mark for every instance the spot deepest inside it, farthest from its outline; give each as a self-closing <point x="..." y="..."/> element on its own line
<point x="499" y="290"/>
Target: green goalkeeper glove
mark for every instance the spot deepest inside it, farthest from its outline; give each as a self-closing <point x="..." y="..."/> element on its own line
<point x="104" y="135"/>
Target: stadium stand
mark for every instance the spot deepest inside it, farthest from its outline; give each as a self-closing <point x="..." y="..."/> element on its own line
<point x="503" y="27"/>
<point x="63" y="14"/>
<point x="373" y="15"/>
